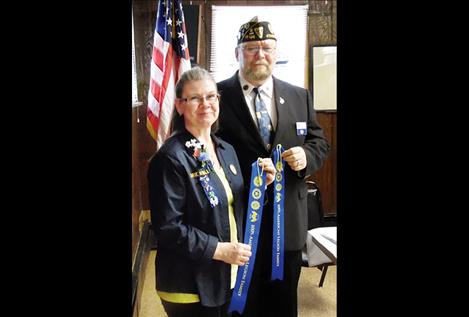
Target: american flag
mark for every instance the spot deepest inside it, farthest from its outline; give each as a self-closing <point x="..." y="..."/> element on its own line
<point x="170" y="58"/>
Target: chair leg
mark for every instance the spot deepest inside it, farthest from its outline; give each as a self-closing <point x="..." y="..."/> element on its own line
<point x="323" y="274"/>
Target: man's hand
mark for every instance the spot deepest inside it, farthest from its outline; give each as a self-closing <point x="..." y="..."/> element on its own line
<point x="295" y="157"/>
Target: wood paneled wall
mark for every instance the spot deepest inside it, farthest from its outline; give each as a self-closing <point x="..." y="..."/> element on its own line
<point x="143" y="146"/>
<point x="326" y="177"/>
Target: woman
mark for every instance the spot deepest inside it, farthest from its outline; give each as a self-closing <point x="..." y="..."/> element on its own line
<point x="197" y="205"/>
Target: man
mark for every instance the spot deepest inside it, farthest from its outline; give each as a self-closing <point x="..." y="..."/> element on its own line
<point x="257" y="112"/>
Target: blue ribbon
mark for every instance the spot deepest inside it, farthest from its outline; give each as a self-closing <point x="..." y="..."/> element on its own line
<point x="206" y="181"/>
<point x="251" y="235"/>
<point x="278" y="214"/>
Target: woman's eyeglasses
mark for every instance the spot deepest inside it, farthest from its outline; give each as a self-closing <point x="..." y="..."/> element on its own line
<point x="197" y="100"/>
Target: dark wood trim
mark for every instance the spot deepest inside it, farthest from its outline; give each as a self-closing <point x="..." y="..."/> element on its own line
<point x="139" y="265"/>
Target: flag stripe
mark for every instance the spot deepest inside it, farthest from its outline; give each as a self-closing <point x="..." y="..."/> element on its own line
<point x="156" y="73"/>
<point x="158" y="57"/>
<point x="167" y="74"/>
<point x="155" y="89"/>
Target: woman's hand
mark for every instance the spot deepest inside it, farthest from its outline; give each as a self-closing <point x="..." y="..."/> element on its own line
<point x="232" y="252"/>
<point x="268" y="166"/>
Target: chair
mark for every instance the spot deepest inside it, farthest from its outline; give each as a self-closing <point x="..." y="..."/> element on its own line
<point x="321" y="267"/>
<point x="320" y="250"/>
<point x="316" y="252"/>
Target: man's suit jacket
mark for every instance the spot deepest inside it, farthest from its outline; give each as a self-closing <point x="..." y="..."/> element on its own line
<point x="187" y="227"/>
<point x="237" y="127"/>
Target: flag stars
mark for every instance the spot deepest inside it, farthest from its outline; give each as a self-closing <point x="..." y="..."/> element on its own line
<point x="181" y="34"/>
<point x="170" y="22"/>
<point x="178" y="22"/>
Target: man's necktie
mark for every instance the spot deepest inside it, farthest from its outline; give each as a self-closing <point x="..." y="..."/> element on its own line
<point x="263" y="118"/>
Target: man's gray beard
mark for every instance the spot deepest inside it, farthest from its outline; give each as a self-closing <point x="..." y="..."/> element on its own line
<point x="258" y="75"/>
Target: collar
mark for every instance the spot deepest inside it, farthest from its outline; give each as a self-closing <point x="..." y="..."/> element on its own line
<point x="266" y="88"/>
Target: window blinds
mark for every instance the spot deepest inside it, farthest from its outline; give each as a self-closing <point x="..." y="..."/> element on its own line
<point x="289" y="24"/>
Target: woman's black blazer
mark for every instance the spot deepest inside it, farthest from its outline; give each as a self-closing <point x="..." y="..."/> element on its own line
<point x="186" y="226"/>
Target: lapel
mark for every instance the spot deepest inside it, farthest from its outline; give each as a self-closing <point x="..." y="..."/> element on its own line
<point x="222" y="157"/>
<point x="282" y="105"/>
<point x="238" y="103"/>
<point x="220" y="219"/>
<point x="227" y="160"/>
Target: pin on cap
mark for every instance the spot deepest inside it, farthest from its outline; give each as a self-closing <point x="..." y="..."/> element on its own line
<point x="255" y="31"/>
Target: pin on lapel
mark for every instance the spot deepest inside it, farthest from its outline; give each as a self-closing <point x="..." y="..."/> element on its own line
<point x="282" y="101"/>
<point x="233" y="169"/>
<point x="301" y="128"/>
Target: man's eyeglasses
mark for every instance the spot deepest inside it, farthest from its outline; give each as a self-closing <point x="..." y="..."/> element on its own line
<point x="197" y="100"/>
<point x="253" y="50"/>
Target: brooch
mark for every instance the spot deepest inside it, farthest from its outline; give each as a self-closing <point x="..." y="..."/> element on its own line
<point x="200" y="152"/>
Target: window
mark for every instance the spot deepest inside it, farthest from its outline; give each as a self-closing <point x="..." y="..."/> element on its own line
<point x="289" y="24"/>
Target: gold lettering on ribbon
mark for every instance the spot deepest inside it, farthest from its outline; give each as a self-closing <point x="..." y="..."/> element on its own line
<point x="199" y="173"/>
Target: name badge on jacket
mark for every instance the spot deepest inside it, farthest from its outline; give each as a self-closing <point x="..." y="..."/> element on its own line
<point x="301" y="128"/>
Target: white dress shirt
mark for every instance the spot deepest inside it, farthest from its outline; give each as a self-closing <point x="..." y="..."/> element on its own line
<point x="267" y="95"/>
